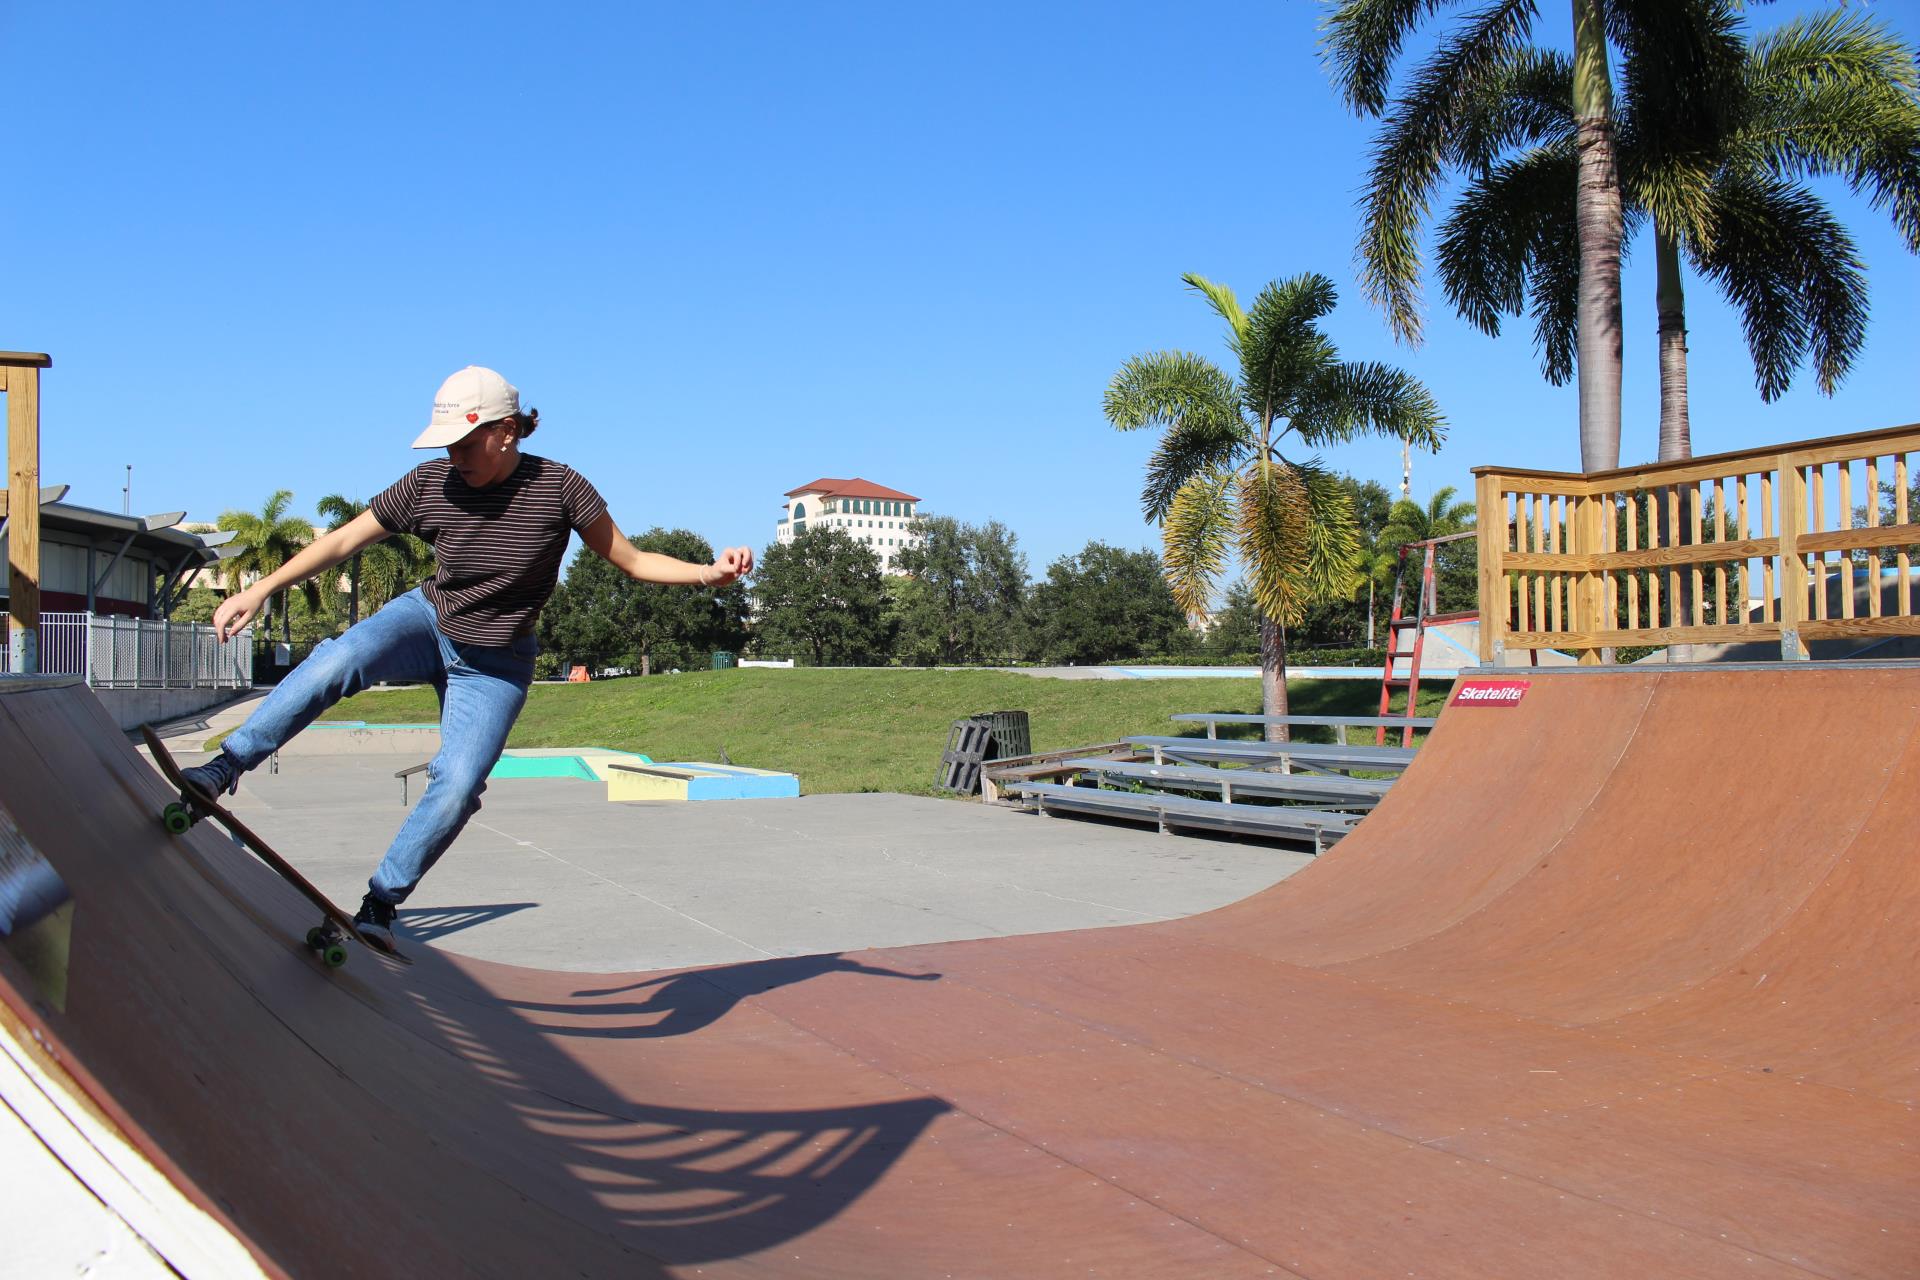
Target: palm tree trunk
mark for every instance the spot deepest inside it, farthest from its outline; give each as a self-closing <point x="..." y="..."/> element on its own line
<point x="353" y="600"/>
<point x="1369" y="611"/>
<point x="1273" y="676"/>
<point x="1676" y="434"/>
<point x="1676" y="438"/>
<point x="1597" y="214"/>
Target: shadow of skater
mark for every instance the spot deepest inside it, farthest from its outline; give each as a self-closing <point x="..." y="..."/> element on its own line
<point x="684" y="1002"/>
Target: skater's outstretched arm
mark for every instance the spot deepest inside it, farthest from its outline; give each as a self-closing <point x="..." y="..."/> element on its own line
<point x="603" y="537"/>
<point x="318" y="556"/>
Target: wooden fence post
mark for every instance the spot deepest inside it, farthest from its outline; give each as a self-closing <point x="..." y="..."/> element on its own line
<point x="1586" y="513"/>
<point x="1490" y="502"/>
<point x="20" y="378"/>
<point x="1793" y="565"/>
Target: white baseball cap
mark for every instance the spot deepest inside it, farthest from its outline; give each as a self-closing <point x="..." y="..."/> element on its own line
<point x="470" y="397"/>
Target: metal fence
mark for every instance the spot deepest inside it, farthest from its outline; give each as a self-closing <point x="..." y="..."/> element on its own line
<point x="115" y="652"/>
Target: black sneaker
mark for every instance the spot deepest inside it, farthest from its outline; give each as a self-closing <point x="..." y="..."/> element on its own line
<point x="218" y="777"/>
<point x="374" y="921"/>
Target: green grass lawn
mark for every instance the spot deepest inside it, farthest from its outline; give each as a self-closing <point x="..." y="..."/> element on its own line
<point x="860" y="730"/>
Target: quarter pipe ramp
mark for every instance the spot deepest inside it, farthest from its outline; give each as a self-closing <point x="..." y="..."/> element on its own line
<point x="1620" y="980"/>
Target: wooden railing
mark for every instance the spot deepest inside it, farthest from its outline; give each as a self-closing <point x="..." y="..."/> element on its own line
<point x="1786" y="544"/>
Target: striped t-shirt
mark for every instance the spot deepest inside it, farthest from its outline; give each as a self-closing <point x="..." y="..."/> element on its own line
<point x="499" y="549"/>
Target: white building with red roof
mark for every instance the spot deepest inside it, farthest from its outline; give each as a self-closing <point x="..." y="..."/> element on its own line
<point x="869" y="513"/>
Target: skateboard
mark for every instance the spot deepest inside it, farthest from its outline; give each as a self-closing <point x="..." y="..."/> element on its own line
<point x="327" y="940"/>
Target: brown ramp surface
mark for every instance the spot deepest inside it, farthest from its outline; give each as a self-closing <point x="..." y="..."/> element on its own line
<point x="1620" y="981"/>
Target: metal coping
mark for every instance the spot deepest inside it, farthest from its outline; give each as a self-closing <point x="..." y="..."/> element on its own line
<point x="1655" y="668"/>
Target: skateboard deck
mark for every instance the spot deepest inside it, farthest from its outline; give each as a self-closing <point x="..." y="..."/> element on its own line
<point x="324" y="939"/>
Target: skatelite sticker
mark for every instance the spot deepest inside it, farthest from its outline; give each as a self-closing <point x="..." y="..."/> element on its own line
<point x="1490" y="693"/>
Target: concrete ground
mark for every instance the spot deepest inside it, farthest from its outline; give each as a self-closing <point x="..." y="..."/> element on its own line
<point x="550" y="874"/>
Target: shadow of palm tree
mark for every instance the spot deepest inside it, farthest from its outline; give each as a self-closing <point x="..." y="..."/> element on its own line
<point x="683" y="1185"/>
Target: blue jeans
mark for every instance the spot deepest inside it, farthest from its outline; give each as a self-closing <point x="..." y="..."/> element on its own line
<point x="481" y="690"/>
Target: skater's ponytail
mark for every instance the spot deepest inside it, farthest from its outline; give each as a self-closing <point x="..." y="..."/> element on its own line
<point x="525" y="422"/>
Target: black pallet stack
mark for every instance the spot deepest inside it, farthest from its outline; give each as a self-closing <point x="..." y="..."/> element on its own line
<point x="993" y="735"/>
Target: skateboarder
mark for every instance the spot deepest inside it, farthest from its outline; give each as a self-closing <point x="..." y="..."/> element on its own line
<point x="498" y="520"/>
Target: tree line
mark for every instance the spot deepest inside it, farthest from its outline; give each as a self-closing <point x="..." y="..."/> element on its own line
<point x="963" y="596"/>
<point x="320" y="607"/>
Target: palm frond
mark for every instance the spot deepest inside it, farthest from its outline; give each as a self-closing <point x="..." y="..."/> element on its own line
<point x="1553" y="295"/>
<point x="337" y="510"/>
<point x="1367" y="398"/>
<point x="1224" y="305"/>
<point x="1791" y="269"/>
<point x="1363" y="38"/>
<point x="1682" y="88"/>
<point x="1527" y="102"/>
<point x="1284" y="349"/>
<point x="1333" y="538"/>
<point x="1169" y="389"/>
<point x="1446" y="516"/>
<point x="1197" y="536"/>
<point x="1836" y="94"/>
<point x="1271" y="510"/>
<point x="1186" y="452"/>
<point x="1410" y="154"/>
<point x="1489" y="243"/>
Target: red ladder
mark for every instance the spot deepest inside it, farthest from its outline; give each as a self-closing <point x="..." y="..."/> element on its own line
<point x="1425" y="614"/>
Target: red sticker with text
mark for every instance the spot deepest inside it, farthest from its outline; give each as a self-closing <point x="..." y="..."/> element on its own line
<point x="1490" y="693"/>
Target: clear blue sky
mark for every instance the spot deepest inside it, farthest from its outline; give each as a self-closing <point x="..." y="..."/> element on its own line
<point x="728" y="248"/>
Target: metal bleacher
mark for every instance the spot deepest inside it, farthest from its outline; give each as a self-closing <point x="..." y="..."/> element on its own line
<point x="1300" y="792"/>
<point x="1324" y="757"/>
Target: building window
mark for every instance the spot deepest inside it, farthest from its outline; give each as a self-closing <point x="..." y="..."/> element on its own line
<point x="799" y="511"/>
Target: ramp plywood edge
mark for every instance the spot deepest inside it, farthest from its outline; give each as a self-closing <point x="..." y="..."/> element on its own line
<point x="1621" y="976"/>
<point x="134" y="1198"/>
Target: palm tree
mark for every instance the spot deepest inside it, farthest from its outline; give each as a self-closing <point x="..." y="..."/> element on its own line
<point x="338" y="511"/>
<point x="1455" y="566"/>
<point x="1376" y="567"/>
<point x="392" y="567"/>
<point x="1820" y="95"/>
<point x="1436" y="128"/>
<point x="1219" y="484"/>
<point x="271" y="538"/>
<point x="1411" y="522"/>
<point x="383" y="570"/>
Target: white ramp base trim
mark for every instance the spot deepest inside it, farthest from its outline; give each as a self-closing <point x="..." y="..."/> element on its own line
<point x="80" y="1200"/>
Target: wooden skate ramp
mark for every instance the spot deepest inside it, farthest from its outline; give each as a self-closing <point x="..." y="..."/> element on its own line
<point x="1619" y="981"/>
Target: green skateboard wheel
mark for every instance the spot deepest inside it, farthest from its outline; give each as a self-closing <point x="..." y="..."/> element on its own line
<point x="175" y="818"/>
<point x="316" y="938"/>
<point x="334" y="954"/>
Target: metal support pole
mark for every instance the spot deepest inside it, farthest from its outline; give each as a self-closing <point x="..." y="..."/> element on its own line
<point x="107" y="572"/>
